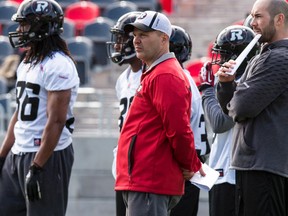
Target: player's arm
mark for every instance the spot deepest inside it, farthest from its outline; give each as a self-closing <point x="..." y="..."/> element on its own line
<point x="218" y="121"/>
<point x="214" y="115"/>
<point x="57" y="106"/>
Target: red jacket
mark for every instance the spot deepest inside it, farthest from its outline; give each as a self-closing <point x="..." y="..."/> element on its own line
<point x="156" y="140"/>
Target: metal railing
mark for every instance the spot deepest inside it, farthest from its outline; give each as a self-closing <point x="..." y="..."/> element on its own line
<point x="96" y="111"/>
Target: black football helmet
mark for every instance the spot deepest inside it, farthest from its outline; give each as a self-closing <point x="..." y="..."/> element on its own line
<point x="180" y="44"/>
<point x="121" y="49"/>
<point x="45" y="18"/>
<point x="230" y="42"/>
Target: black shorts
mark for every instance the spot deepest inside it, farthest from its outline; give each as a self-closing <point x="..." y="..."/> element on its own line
<point x="222" y="200"/>
<point x="120" y="205"/>
<point x="54" y="183"/>
<point x="261" y="193"/>
<point x="188" y="204"/>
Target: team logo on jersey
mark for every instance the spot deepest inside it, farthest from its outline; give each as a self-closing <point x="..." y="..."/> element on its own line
<point x="221" y="172"/>
<point x="37" y="142"/>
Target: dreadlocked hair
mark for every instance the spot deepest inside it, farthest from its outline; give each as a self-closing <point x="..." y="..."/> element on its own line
<point x="41" y="49"/>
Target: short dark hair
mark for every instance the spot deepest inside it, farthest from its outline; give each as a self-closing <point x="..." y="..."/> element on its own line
<point x="278" y="6"/>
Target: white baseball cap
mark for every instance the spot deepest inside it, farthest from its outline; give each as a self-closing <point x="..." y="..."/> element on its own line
<point x="150" y="21"/>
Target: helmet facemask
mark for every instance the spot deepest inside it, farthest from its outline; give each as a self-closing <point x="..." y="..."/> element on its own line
<point x="120" y="49"/>
<point x="220" y="55"/>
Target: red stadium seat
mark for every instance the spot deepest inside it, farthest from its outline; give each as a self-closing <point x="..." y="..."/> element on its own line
<point x="82" y="13"/>
<point x="16" y="1"/>
<point x="167" y="6"/>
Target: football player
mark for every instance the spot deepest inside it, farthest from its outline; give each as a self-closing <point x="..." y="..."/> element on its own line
<point x="121" y="51"/>
<point x="229" y="43"/>
<point x="36" y="156"/>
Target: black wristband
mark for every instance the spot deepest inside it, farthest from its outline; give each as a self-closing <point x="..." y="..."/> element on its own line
<point x="203" y="87"/>
<point x="35" y="168"/>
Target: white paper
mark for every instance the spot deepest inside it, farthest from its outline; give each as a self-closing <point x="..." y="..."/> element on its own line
<point x="205" y="182"/>
<point x="244" y="53"/>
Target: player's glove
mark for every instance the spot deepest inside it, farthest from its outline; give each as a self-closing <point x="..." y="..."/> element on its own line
<point x="206" y="76"/>
<point x="32" y="183"/>
<point x="2" y="160"/>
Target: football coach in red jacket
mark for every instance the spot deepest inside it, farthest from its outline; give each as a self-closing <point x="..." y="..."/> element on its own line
<point x="156" y="149"/>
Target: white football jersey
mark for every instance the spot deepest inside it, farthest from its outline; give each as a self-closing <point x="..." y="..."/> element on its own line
<point x="197" y="120"/>
<point x="126" y="86"/>
<point x="33" y="83"/>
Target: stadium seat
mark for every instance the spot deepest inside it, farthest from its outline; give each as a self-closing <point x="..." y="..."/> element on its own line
<point x="147" y="5"/>
<point x="99" y="33"/>
<point x="81" y="49"/>
<point x="167" y="6"/>
<point x="16" y="1"/>
<point x="103" y="3"/>
<point x="116" y="10"/>
<point x="99" y="29"/>
<point x="69" y="29"/>
<point x="11" y="27"/>
<point x="65" y="3"/>
<point x="7" y="10"/>
<point x="82" y="13"/>
<point x="5" y="48"/>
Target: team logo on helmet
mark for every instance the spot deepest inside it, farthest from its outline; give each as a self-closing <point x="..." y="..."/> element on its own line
<point x="236" y="36"/>
<point x="41" y="7"/>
